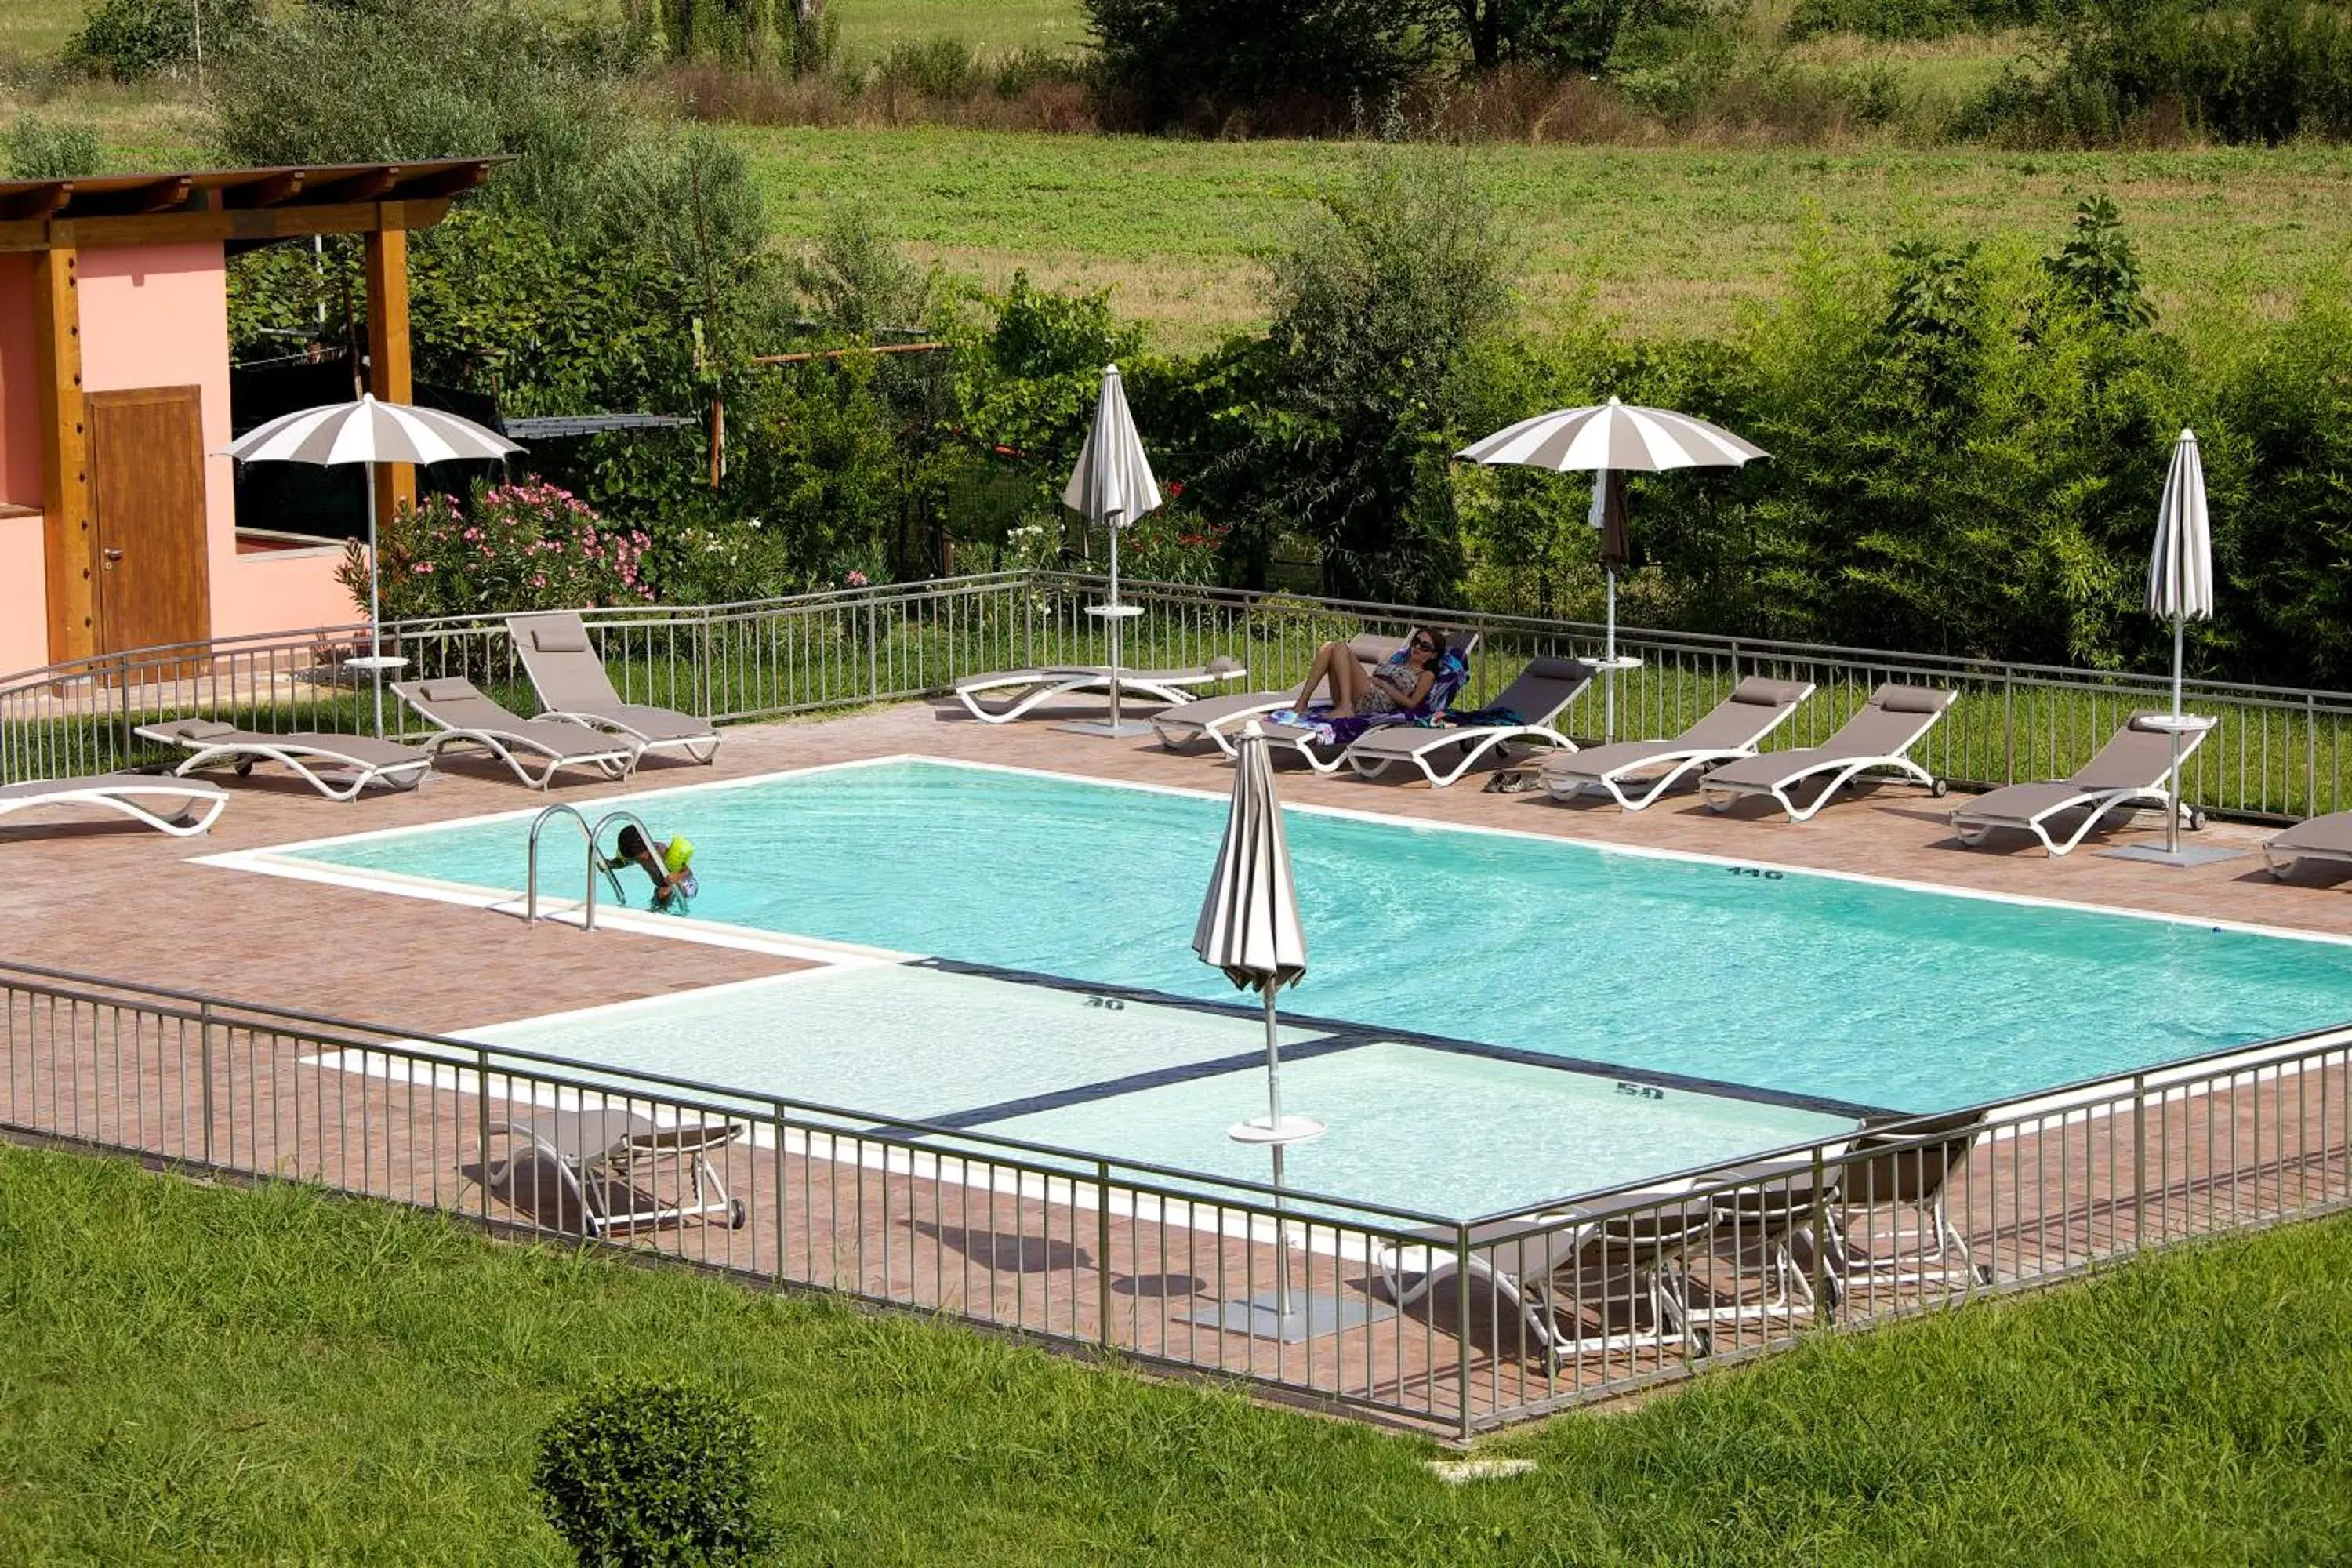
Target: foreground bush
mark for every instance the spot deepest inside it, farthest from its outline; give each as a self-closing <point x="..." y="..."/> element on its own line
<point x="648" y="1473"/>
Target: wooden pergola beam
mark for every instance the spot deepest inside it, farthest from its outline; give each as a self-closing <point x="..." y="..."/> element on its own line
<point x="388" y="377"/>
<point x="67" y="538"/>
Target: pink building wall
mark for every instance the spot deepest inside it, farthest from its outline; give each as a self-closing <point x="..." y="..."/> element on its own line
<point x="24" y="588"/>
<point x="152" y="316"/>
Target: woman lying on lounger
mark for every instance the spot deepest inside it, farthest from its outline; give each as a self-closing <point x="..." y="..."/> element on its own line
<point x="1418" y="680"/>
<point x="1400" y="686"/>
<point x="668" y="863"/>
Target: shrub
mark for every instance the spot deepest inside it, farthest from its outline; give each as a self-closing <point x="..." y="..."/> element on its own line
<point x="37" y="149"/>
<point x="127" y="41"/>
<point x="511" y="547"/>
<point x="1303" y="61"/>
<point x="650" y="1474"/>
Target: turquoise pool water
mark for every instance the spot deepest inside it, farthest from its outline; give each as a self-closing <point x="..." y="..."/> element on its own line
<point x="1792" y="985"/>
<point x="1434" y="1130"/>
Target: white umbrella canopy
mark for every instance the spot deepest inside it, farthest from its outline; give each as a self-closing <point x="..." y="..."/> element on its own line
<point x="1613" y="435"/>
<point x="1112" y="485"/>
<point x="370" y="432"/>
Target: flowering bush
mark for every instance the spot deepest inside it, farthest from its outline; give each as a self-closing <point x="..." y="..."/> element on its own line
<point x="510" y="547"/>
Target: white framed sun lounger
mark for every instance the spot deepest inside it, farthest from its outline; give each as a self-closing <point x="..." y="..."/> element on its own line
<point x="465" y="717"/>
<point x="1874" y="741"/>
<point x="2325" y="839"/>
<point x="1219" y="719"/>
<point x="1540" y="691"/>
<point x="1022" y="690"/>
<point x="1635" y="774"/>
<point x="337" y="766"/>
<point x="134" y="795"/>
<point x="1516" y="1265"/>
<point x="2134" y="769"/>
<point x="573" y="689"/>
<point x="601" y="1156"/>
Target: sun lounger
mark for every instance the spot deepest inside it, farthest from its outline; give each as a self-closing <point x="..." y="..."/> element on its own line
<point x="1635" y="772"/>
<point x="1543" y="1288"/>
<point x="2133" y="769"/>
<point x="573" y="689"/>
<point x="1874" y="741"/>
<point x="1018" y="691"/>
<point x="2328" y="838"/>
<point x="464" y="716"/>
<point x="200" y="803"/>
<point x="1219" y="718"/>
<point x="1445" y="751"/>
<point x="608" y="1167"/>
<point x="337" y="766"/>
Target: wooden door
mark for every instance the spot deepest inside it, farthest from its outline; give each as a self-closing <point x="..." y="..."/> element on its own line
<point x="147" y="496"/>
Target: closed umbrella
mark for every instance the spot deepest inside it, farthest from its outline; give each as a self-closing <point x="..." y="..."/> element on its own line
<point x="370" y="432"/>
<point x="1609" y="440"/>
<point x="1249" y="928"/>
<point x="1112" y="485"/>
<point x="2180" y="587"/>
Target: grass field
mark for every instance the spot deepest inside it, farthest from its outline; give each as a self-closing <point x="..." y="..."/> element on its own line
<point x="1673" y="240"/>
<point x="191" y="1374"/>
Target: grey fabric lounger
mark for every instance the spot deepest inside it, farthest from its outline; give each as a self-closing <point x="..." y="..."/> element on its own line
<point x="1218" y="719"/>
<point x="2326" y="838"/>
<point x="464" y="716"/>
<point x="138" y="796"/>
<point x="350" y="763"/>
<point x="574" y="690"/>
<point x="1443" y="752"/>
<point x="1552" y="1286"/>
<point x="1875" y="740"/>
<point x="608" y="1167"/>
<point x="1635" y="772"/>
<point x="2133" y="769"/>
<point x="1017" y="691"/>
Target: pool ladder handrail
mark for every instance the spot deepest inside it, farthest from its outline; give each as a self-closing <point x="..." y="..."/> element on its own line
<point x="595" y="835"/>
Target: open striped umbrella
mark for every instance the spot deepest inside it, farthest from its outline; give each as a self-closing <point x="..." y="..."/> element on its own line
<point x="2180" y="578"/>
<point x="370" y="432"/>
<point x="1249" y="928"/>
<point x="1112" y="485"/>
<point x="1609" y="440"/>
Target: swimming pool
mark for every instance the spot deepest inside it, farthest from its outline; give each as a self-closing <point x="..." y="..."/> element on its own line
<point x="1801" y="984"/>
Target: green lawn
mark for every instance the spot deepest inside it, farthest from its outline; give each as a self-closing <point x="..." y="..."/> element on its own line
<point x="191" y="1374"/>
<point x="1670" y="240"/>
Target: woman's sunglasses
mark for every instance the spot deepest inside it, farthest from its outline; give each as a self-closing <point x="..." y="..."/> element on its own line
<point x="1423" y="645"/>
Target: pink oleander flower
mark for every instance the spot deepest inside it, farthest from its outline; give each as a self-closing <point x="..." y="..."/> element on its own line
<point x="854" y="578"/>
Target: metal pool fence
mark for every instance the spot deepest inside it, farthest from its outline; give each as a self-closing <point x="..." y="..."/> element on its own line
<point x="2275" y="753"/>
<point x="1453" y="1324"/>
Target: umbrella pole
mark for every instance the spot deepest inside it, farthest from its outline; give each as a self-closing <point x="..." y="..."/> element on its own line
<point x="375" y="607"/>
<point x="2172" y="805"/>
<point x="1609" y="653"/>
<point x="1274" y="1122"/>
<point x="1114" y="630"/>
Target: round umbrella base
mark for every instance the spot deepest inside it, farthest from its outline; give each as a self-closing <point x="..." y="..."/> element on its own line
<point x="1289" y="1129"/>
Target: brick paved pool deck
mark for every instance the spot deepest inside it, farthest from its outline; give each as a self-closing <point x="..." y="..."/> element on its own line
<point x="135" y="907"/>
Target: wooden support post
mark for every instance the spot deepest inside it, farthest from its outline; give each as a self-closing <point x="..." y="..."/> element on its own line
<point x="69" y="532"/>
<point x="387" y="318"/>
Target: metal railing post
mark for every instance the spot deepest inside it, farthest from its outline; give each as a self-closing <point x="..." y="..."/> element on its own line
<point x="873" y="656"/>
<point x="2310" y="756"/>
<point x="1825" y="1304"/>
<point x="1102" y="1250"/>
<point x="205" y="1035"/>
<point x="2139" y="1162"/>
<point x="778" y="1271"/>
<point x="1462" y="1309"/>
<point x="482" y="1125"/>
<point x="2008" y="726"/>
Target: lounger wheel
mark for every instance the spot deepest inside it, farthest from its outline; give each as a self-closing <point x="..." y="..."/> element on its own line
<point x="1940" y="788"/>
<point x="737" y="1214"/>
<point x="2196" y="820"/>
<point x="244" y="768"/>
<point x="1701" y="1342"/>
